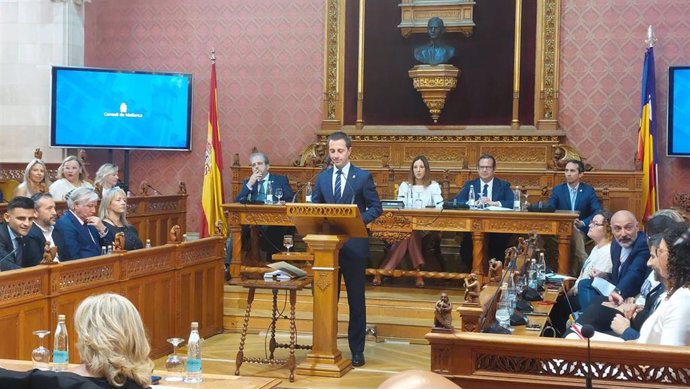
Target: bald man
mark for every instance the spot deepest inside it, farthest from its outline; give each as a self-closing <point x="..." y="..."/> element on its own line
<point x="629" y="255"/>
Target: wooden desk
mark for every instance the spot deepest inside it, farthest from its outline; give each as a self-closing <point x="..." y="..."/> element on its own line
<point x="211" y="381"/>
<point x="396" y="225"/>
<point x="540" y="316"/>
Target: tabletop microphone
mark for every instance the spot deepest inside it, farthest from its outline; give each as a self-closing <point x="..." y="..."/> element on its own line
<point x="588" y="331"/>
<point x="154" y="189"/>
<point x="7" y="256"/>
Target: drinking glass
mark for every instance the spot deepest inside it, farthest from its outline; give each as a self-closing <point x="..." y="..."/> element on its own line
<point x="41" y="355"/>
<point x="503" y="315"/>
<point x="279" y="194"/>
<point x="174" y="364"/>
<point x="287" y="242"/>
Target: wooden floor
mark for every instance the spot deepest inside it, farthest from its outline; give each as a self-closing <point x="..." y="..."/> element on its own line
<point x="383" y="359"/>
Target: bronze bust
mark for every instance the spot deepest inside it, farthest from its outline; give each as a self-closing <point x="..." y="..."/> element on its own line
<point x="436" y="51"/>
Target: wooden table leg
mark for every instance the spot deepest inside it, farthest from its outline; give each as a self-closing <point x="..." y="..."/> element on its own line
<point x="478" y="252"/>
<point x="240" y="353"/>
<point x="564" y="253"/>
<point x="274" y="319"/>
<point x="293" y="335"/>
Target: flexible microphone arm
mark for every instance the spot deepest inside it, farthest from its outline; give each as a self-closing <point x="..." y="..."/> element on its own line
<point x="7" y="256"/>
<point x="588" y="331"/>
<point x="153" y="189"/>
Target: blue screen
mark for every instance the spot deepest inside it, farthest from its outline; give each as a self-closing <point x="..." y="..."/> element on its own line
<point x="679" y="111"/>
<point x="101" y="108"/>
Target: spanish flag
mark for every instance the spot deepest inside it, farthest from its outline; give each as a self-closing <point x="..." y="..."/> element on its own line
<point x="212" y="190"/>
<point x="647" y="136"/>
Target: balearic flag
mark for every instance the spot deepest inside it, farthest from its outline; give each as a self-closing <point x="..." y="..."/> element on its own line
<point x="647" y="136"/>
<point x="212" y="190"/>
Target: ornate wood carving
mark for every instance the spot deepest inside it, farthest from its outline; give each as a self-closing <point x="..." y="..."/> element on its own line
<point x="20" y="289"/>
<point x="457" y="16"/>
<point x="85" y="277"/>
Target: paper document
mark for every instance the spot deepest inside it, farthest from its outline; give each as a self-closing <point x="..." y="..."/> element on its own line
<point x="604" y="287"/>
<point x="494" y="208"/>
<point x="284" y="271"/>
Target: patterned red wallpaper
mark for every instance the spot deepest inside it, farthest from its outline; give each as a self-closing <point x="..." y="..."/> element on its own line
<point x="270" y="70"/>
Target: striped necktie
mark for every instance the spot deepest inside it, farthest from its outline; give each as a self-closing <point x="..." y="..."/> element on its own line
<point x="485" y="191"/>
<point x="337" y="192"/>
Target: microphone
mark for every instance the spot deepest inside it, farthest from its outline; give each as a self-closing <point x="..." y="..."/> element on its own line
<point x="7" y="256"/>
<point x="155" y="191"/>
<point x="588" y="331"/>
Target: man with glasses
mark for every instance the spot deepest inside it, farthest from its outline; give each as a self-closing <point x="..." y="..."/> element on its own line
<point x="629" y="254"/>
<point x="79" y="233"/>
<point x="489" y="191"/>
<point x="575" y="195"/>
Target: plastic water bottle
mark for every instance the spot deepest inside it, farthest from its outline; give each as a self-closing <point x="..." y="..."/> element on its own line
<point x="194" y="356"/>
<point x="60" y="346"/>
<point x="532" y="274"/>
<point x="512" y="289"/>
<point x="516" y="200"/>
<point x="269" y="193"/>
<point x="541" y="268"/>
<point x="307" y="192"/>
<point x="472" y="197"/>
<point x="503" y="310"/>
<point x="148" y="243"/>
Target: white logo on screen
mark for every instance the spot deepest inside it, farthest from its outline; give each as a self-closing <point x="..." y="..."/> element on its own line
<point x="123" y="113"/>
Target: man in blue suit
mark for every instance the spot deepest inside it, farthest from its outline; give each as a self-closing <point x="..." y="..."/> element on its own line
<point x="255" y="189"/>
<point x="345" y="183"/>
<point x="79" y="233"/>
<point x="16" y="247"/>
<point x="489" y="191"/>
<point x="629" y="255"/>
<point x="575" y="195"/>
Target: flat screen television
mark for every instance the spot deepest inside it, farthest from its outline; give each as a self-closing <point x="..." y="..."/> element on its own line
<point x="678" y="129"/>
<point x="120" y="109"/>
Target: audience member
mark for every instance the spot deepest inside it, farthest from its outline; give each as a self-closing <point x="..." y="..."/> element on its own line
<point x="629" y="254"/>
<point x="106" y="177"/>
<point x="112" y="346"/>
<point x="598" y="264"/>
<point x="42" y="228"/>
<point x="345" y="183"/>
<point x="575" y="195"/>
<point x="113" y="212"/>
<point x="489" y="191"/>
<point x="36" y="179"/>
<point x="423" y="191"/>
<point x="15" y="247"/>
<point x="71" y="175"/>
<point x="78" y="232"/>
<point x="255" y="189"/>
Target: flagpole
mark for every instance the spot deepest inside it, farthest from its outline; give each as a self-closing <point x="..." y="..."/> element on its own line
<point x="651" y="41"/>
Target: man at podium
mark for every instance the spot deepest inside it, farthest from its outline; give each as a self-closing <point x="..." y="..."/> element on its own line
<point x="345" y="183"/>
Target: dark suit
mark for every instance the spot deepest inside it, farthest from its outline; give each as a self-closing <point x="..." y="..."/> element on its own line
<point x="75" y="240"/>
<point x="630" y="277"/>
<point x="586" y="201"/>
<point x="32" y="250"/>
<point x="37" y="241"/>
<point x="359" y="189"/>
<point x="271" y="237"/>
<point x="499" y="192"/>
<point x="497" y="242"/>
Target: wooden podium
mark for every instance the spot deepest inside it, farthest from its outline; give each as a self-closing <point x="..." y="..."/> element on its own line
<point x="326" y="228"/>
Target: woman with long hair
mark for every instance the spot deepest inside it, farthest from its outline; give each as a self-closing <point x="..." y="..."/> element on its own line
<point x="420" y="191"/>
<point x="36" y="179"/>
<point x="106" y="177"/>
<point x="113" y="212"/>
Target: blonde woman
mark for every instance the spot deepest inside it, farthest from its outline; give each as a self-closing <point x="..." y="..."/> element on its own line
<point x="113" y="212"/>
<point x="106" y="177"/>
<point x="36" y="179"/>
<point x="112" y="346"/>
<point x="71" y="175"/>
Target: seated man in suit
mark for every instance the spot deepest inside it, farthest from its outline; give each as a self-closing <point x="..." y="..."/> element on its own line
<point x="629" y="255"/>
<point x="575" y="195"/>
<point x="491" y="191"/>
<point x="15" y="247"/>
<point x="345" y="183"/>
<point x="255" y="189"/>
<point x="42" y="229"/>
<point x="79" y="233"/>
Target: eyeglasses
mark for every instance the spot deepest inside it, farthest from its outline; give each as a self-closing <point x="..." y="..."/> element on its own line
<point x="684" y="239"/>
<point x="593" y="224"/>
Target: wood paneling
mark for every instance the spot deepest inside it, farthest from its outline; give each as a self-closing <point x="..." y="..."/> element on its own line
<point x="153" y="279"/>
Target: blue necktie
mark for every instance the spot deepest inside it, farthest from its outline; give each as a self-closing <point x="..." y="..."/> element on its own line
<point x="337" y="191"/>
<point x="485" y="191"/>
<point x="261" y="192"/>
<point x="20" y="249"/>
<point x="573" y="196"/>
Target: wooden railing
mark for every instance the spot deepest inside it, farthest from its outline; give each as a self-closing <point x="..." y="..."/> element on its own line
<point x="171" y="286"/>
<point x="152" y="216"/>
<point x="477" y="360"/>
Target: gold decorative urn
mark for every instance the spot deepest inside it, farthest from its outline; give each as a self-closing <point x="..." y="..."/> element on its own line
<point x="434" y="82"/>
